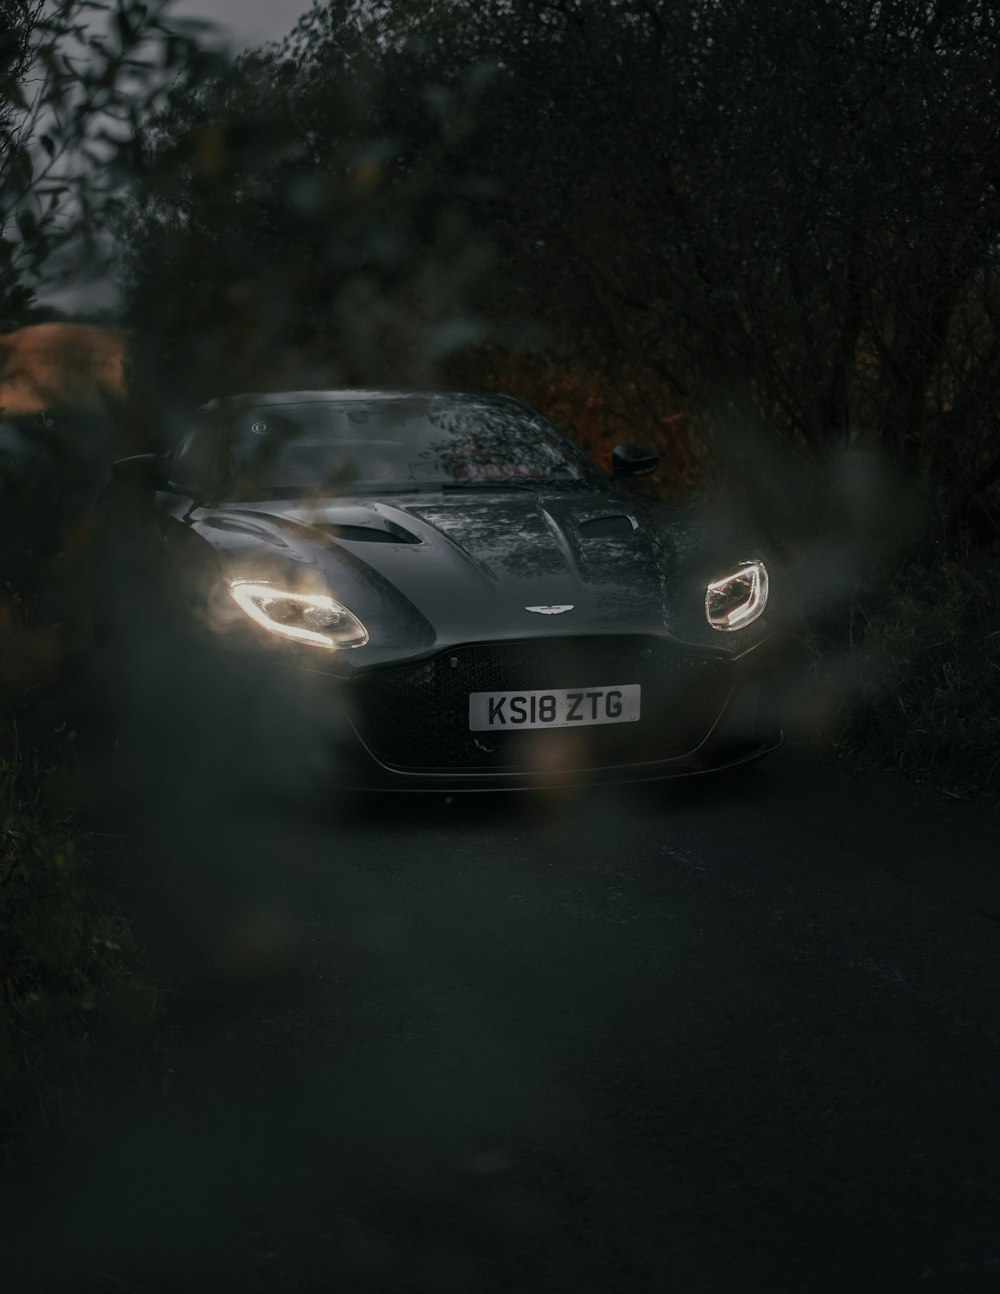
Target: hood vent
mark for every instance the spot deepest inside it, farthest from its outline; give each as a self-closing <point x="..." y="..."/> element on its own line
<point x="384" y="532"/>
<point x="390" y="534"/>
<point x="616" y="526"/>
<point x="236" y="526"/>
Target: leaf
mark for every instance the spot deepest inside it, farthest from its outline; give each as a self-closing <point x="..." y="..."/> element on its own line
<point x="126" y="32"/>
<point x="11" y="93"/>
<point x="27" y="223"/>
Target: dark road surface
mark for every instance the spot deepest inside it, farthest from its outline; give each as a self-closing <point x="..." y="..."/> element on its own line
<point x="698" y="1039"/>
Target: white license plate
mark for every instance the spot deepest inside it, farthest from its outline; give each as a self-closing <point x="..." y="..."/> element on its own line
<point x="553" y="707"/>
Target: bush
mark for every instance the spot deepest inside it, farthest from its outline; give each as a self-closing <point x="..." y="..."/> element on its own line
<point x="912" y="683"/>
<point x="68" y="980"/>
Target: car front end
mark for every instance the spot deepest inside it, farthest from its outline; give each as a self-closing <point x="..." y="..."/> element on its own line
<point x="466" y="600"/>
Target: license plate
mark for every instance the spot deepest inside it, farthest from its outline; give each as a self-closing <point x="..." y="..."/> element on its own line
<point x="553" y="707"/>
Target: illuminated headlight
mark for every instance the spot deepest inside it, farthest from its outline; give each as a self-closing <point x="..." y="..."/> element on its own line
<point x="737" y="599"/>
<point x="305" y="617"/>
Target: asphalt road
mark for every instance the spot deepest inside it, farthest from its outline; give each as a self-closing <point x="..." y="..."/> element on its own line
<point x="698" y="1039"/>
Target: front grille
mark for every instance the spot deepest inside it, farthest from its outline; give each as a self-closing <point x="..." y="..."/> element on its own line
<point x="417" y="716"/>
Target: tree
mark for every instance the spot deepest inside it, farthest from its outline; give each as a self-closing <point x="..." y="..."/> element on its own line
<point x="76" y="77"/>
<point x="789" y="213"/>
<point x="273" y="239"/>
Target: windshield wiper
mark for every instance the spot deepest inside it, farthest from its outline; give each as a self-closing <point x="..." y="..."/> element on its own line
<point x="515" y="483"/>
<point x="376" y="488"/>
<point x="343" y="491"/>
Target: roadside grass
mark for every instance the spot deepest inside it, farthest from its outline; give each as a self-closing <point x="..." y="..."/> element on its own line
<point x="73" y="1006"/>
<point x="910" y="680"/>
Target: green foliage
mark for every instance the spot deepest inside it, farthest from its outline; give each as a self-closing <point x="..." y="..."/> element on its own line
<point x="76" y="76"/>
<point x="911" y="680"/>
<point x="274" y="241"/>
<point x="67" y="968"/>
<point x="786" y="212"/>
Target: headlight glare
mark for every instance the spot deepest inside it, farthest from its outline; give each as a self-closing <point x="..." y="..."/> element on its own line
<point x="735" y="600"/>
<point x="314" y="618"/>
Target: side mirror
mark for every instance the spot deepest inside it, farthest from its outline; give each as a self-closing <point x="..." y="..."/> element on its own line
<point x="142" y="473"/>
<point x="631" y="461"/>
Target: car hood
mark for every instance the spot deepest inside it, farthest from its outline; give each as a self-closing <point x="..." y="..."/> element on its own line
<point x="431" y="570"/>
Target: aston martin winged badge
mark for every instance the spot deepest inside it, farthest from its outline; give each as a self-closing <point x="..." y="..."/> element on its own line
<point x="550" y="611"/>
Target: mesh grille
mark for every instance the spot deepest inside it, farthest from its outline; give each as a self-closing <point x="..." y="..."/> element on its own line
<point x="417" y="716"/>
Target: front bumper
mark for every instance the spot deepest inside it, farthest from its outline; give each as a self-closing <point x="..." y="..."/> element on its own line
<point x="406" y="728"/>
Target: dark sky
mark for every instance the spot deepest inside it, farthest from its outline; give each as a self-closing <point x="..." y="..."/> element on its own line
<point x="246" y="22"/>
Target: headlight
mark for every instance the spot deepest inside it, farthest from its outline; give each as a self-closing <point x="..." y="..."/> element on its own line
<point x="735" y="600"/>
<point x="305" y="617"/>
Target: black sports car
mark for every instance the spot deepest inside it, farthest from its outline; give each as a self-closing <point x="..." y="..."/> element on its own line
<point x="483" y="604"/>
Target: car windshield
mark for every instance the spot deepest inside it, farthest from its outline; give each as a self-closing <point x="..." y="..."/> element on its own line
<point x="375" y="446"/>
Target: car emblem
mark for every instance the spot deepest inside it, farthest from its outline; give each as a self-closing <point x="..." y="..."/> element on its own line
<point x="549" y="611"/>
